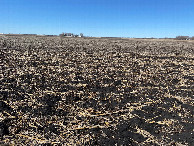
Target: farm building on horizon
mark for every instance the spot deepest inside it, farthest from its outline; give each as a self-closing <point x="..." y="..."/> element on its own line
<point x="70" y="35"/>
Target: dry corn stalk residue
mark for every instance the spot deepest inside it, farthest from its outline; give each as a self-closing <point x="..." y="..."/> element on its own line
<point x="91" y="91"/>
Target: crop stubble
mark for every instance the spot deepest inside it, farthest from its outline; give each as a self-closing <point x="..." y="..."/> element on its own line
<point x="96" y="91"/>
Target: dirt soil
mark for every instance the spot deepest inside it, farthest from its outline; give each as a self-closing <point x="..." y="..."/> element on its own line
<point x="79" y="91"/>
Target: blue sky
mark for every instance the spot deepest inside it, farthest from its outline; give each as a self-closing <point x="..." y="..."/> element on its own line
<point x="121" y="18"/>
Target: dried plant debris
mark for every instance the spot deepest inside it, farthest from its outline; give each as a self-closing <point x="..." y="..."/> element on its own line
<point x="96" y="91"/>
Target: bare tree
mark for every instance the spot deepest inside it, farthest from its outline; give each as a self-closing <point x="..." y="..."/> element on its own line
<point x="81" y="34"/>
<point x="61" y="35"/>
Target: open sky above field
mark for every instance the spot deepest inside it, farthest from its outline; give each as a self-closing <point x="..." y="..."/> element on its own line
<point x="114" y="18"/>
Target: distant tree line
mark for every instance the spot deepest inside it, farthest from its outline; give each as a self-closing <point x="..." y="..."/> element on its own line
<point x="70" y="35"/>
<point x="184" y="38"/>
